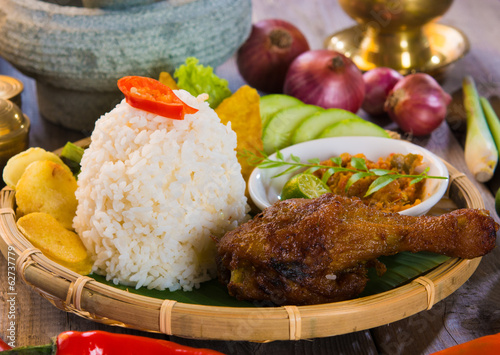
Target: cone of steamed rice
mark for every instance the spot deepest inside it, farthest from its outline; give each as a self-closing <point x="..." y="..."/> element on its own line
<point x="153" y="190"/>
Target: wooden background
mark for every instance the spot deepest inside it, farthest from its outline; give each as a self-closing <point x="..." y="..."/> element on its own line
<point x="471" y="312"/>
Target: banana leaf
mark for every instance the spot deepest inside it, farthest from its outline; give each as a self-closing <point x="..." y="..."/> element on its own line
<point x="401" y="268"/>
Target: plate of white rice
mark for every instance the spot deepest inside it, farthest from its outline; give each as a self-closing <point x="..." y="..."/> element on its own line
<point x="153" y="192"/>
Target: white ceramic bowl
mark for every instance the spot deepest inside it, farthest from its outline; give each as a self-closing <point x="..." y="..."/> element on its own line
<point x="265" y="190"/>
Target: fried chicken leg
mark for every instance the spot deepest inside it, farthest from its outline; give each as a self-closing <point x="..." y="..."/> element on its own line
<point x="303" y="251"/>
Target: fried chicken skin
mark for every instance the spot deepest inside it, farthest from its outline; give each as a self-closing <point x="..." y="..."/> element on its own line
<point x="302" y="251"/>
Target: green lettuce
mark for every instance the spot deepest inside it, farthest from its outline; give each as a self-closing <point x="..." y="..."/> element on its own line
<point x="198" y="79"/>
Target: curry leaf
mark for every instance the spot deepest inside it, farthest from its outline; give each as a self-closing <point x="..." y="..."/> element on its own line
<point x="356" y="177"/>
<point x="416" y="180"/>
<point x="295" y="158"/>
<point x="359" y="164"/>
<point x="381" y="172"/>
<point x="327" y="174"/>
<point x="336" y="161"/>
<point x="381" y="182"/>
<point x="313" y="169"/>
<point x="287" y="170"/>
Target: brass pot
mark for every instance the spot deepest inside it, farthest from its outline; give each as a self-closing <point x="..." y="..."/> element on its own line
<point x="400" y="34"/>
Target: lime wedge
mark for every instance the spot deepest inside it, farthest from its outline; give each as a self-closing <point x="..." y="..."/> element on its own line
<point x="304" y="186"/>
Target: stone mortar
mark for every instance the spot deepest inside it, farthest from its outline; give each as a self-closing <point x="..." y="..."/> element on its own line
<point x="77" y="54"/>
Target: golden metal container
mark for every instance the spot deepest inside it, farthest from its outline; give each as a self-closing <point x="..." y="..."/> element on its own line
<point x="14" y="131"/>
<point x="11" y="89"/>
<point x="401" y="34"/>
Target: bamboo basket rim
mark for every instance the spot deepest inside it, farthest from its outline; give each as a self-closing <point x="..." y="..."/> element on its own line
<point x="105" y="304"/>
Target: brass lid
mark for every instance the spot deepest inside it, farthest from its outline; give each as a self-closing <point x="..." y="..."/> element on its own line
<point x="10" y="87"/>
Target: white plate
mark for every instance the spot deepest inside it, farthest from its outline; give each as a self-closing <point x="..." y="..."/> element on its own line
<point x="265" y="190"/>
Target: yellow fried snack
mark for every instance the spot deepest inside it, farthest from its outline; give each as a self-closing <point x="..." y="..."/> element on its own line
<point x="242" y="109"/>
<point x="47" y="187"/>
<point x="17" y="164"/>
<point x="56" y="242"/>
<point x="166" y="78"/>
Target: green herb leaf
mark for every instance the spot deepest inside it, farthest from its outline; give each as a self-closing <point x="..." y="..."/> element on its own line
<point x="270" y="164"/>
<point x="327" y="174"/>
<point x="288" y="170"/>
<point x="336" y="161"/>
<point x="295" y="158"/>
<point x="416" y="180"/>
<point x="381" y="172"/>
<point x="313" y="169"/>
<point x="380" y="183"/>
<point x="359" y="164"/>
<point x="356" y="177"/>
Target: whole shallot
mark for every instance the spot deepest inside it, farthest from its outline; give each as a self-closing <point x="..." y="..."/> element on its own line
<point x="378" y="84"/>
<point x="325" y="78"/>
<point x="418" y="104"/>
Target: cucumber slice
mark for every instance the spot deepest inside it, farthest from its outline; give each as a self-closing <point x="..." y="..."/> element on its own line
<point x="278" y="131"/>
<point x="270" y="104"/>
<point x="312" y="127"/>
<point x="353" y="127"/>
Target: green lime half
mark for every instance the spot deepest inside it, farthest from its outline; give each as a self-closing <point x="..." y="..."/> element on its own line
<point x="304" y="186"/>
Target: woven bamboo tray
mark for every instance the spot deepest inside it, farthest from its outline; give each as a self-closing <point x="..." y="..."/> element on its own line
<point x="99" y="302"/>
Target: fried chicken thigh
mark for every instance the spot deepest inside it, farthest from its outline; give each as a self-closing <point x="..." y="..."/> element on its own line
<point x="302" y="251"/>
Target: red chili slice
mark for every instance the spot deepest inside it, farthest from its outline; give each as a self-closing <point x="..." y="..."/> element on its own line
<point x="152" y="96"/>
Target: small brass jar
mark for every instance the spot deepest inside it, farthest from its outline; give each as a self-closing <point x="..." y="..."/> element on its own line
<point x="14" y="131"/>
<point x="11" y="89"/>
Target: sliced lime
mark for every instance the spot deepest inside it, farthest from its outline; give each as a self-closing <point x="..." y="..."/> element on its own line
<point x="304" y="186"/>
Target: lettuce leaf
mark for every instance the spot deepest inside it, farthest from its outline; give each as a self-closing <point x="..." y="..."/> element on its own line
<point x="198" y="79"/>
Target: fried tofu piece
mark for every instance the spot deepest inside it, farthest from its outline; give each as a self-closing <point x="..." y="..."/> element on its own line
<point x="47" y="187"/>
<point x="56" y="242"/>
<point x="242" y="109"/>
<point x="16" y="165"/>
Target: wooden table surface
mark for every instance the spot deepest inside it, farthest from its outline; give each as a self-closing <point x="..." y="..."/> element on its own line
<point x="472" y="311"/>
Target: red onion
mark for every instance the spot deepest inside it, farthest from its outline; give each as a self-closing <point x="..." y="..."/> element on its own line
<point x="378" y="83"/>
<point x="264" y="58"/>
<point x="325" y="78"/>
<point x="418" y="104"/>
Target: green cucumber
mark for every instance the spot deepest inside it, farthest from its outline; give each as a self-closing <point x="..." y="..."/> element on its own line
<point x="354" y="127"/>
<point x="278" y="132"/>
<point x="312" y="127"/>
<point x="270" y="104"/>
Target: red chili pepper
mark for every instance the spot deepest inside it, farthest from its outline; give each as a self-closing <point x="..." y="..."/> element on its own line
<point x="152" y="96"/>
<point x="4" y="345"/>
<point x="486" y="345"/>
<point x="104" y="343"/>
